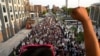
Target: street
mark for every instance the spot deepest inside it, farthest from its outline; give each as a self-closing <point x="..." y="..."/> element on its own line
<point x="64" y="42"/>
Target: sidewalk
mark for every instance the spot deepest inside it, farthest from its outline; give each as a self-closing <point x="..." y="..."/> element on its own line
<point x="7" y="47"/>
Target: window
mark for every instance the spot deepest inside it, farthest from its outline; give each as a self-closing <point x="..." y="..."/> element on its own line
<point x="4" y="8"/>
<point x="19" y="9"/>
<point x="5" y="17"/>
<point x="22" y="8"/>
<point x="10" y="8"/>
<point x="2" y="0"/>
<point x="0" y="23"/>
<point x="22" y="2"/>
<point x="14" y="1"/>
<point x="18" y="1"/>
<point x="19" y="15"/>
<point x="15" y="9"/>
<point x="23" y="14"/>
<point x="32" y="15"/>
<point x="9" y="1"/>
<point x="16" y="16"/>
<point x="11" y="17"/>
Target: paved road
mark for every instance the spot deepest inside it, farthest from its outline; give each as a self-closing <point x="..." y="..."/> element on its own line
<point x="7" y="47"/>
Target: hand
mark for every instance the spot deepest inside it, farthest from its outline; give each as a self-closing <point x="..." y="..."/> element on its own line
<point x="80" y="14"/>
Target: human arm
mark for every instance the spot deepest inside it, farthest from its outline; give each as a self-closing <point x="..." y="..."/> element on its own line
<point x="90" y="38"/>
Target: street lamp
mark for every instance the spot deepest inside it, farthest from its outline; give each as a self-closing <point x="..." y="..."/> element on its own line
<point x="97" y="21"/>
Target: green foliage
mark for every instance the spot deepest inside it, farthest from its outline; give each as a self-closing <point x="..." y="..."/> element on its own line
<point x="88" y="9"/>
<point x="74" y="29"/>
<point x="53" y="11"/>
<point x="69" y="10"/>
<point x="64" y="8"/>
<point x="80" y="37"/>
<point x="44" y="12"/>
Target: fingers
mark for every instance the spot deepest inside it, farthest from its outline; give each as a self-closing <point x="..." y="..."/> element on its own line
<point x="73" y="16"/>
<point x="74" y="12"/>
<point x="78" y="10"/>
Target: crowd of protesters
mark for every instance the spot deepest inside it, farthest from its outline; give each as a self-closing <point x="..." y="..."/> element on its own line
<point x="49" y="31"/>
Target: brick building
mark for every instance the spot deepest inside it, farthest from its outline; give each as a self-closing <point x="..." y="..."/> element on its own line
<point x="39" y="8"/>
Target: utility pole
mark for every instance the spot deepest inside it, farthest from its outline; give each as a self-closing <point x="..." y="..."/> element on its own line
<point x="37" y="15"/>
<point x="97" y="21"/>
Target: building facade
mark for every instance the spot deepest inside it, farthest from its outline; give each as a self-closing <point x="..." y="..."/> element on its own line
<point x="95" y="13"/>
<point x="55" y="8"/>
<point x="31" y="8"/>
<point x="39" y="8"/>
<point x="12" y="17"/>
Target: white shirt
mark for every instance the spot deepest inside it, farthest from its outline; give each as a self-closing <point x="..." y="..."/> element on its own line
<point x="41" y="42"/>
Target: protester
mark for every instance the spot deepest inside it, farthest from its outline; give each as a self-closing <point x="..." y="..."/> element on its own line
<point x="49" y="31"/>
<point x="91" y="42"/>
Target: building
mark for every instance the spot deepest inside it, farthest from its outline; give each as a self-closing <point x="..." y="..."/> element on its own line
<point x="31" y="8"/>
<point x="39" y="9"/>
<point x="55" y="8"/>
<point x="12" y="17"/>
<point x="95" y="13"/>
<point x="44" y="8"/>
<point x="27" y="7"/>
<point x="32" y="14"/>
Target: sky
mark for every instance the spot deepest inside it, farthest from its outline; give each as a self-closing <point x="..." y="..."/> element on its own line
<point x="60" y="3"/>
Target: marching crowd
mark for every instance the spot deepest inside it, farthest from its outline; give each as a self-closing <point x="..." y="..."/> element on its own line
<point x="49" y="31"/>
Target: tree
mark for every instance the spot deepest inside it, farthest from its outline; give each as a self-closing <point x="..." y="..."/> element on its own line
<point x="44" y="12"/>
<point x="69" y="10"/>
<point x="73" y="28"/>
<point x="88" y="9"/>
<point x="53" y="11"/>
<point x="64" y="8"/>
<point x="80" y="37"/>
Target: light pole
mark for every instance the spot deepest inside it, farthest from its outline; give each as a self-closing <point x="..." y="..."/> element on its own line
<point x="37" y="15"/>
<point x="97" y="21"/>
